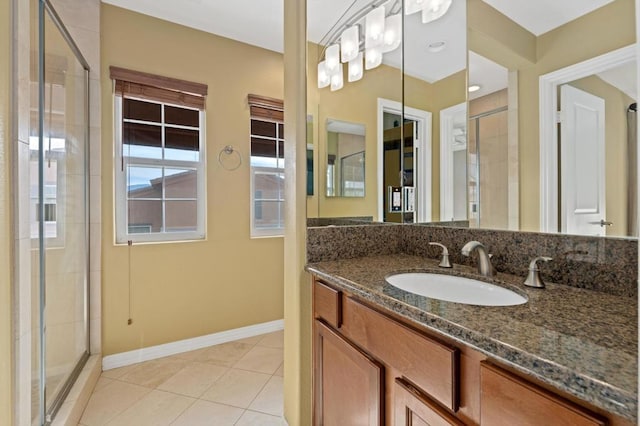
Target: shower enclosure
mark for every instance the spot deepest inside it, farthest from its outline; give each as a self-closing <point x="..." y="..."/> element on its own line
<point x="59" y="182"/>
<point x="488" y="169"/>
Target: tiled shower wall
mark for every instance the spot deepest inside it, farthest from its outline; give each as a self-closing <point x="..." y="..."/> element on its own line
<point x="602" y="264"/>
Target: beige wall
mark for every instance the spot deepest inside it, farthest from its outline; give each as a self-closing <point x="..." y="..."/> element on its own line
<point x="6" y="236"/>
<point x="183" y="290"/>
<point x="616" y="104"/>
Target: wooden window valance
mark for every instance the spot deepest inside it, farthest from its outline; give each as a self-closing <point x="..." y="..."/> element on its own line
<point x="264" y="107"/>
<point x="158" y="88"/>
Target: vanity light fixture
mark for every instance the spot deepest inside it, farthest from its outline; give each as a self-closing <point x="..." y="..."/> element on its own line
<point x="372" y="58"/>
<point x="355" y="70"/>
<point x="434" y="9"/>
<point x="413" y="6"/>
<point x="332" y="59"/>
<point x="370" y="26"/>
<point x="324" y="79"/>
<point x="392" y="33"/>
<point x="337" y="80"/>
<point x="474" y="88"/>
<point x="350" y="43"/>
<point x="374" y="27"/>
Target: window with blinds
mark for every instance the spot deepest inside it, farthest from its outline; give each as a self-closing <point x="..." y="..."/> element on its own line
<point x="159" y="136"/>
<point x="267" y="166"/>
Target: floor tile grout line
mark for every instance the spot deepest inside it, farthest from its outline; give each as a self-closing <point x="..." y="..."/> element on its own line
<point x="116" y="415"/>
<point x="184" y="411"/>
<point x="258" y="393"/>
<point x="236" y="422"/>
<point x="254" y="371"/>
<point x="261" y="389"/>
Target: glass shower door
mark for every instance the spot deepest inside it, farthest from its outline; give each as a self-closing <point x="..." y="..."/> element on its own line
<point x="59" y="201"/>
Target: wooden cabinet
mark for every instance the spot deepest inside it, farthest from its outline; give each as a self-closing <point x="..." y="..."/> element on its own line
<point x="371" y="367"/>
<point x="412" y="408"/>
<point x="431" y="365"/>
<point x="506" y="399"/>
<point x="327" y="304"/>
<point x="348" y="383"/>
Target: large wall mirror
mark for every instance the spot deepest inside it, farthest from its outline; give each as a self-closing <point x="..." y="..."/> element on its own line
<point x="479" y="115"/>
<point x="361" y="71"/>
<point x="552" y="146"/>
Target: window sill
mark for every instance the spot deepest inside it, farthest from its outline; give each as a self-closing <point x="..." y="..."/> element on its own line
<point x="162" y="241"/>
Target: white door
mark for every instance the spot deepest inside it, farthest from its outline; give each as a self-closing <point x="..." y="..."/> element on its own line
<point x="582" y="162"/>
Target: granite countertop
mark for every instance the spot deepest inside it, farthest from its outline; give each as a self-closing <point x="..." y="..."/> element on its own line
<point x="580" y="341"/>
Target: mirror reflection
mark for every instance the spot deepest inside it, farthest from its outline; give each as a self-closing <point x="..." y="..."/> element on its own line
<point x="566" y="161"/>
<point x="398" y="97"/>
<point x="489" y="146"/>
<point x="509" y="163"/>
<point x="345" y="159"/>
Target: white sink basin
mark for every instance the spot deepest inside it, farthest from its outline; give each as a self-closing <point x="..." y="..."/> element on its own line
<point x="455" y="289"/>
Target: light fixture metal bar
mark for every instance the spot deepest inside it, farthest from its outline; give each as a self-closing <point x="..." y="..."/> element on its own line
<point x="336" y="30"/>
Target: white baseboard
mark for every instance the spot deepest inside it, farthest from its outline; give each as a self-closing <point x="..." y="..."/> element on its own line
<point x="153" y="352"/>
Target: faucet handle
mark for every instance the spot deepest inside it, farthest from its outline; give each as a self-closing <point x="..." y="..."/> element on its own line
<point x="533" y="279"/>
<point x="444" y="263"/>
<point x="534" y="262"/>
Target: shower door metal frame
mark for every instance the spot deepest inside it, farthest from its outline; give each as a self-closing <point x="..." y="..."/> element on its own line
<point x="48" y="413"/>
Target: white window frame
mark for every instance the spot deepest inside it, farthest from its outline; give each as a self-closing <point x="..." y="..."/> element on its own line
<point x="255" y="231"/>
<point x="58" y="240"/>
<point x="122" y="236"/>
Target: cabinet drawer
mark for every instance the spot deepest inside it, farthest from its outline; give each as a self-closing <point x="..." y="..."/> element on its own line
<point x="429" y="364"/>
<point x="411" y="408"/>
<point x="506" y="399"/>
<point x="327" y="303"/>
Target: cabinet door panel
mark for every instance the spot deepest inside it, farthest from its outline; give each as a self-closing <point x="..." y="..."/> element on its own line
<point x="433" y="366"/>
<point x="506" y="399"/>
<point x="348" y="384"/>
<point x="414" y="409"/>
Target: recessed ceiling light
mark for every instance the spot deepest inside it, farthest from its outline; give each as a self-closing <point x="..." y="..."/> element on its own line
<point x="436" y="46"/>
<point x="474" y="88"/>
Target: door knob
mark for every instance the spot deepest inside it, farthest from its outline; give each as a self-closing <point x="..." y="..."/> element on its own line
<point x="602" y="223"/>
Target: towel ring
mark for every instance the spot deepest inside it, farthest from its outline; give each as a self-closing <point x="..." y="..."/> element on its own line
<point x="228" y="151"/>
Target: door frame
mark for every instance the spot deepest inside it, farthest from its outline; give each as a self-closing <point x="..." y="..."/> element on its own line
<point x="548" y="85"/>
<point x="423" y="156"/>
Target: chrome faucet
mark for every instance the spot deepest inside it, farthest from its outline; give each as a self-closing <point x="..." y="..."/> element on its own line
<point x="484" y="260"/>
<point x="444" y="262"/>
<point x="533" y="279"/>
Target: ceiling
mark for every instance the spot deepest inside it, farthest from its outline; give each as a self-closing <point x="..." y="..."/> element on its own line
<point x="541" y="16"/>
<point x="260" y="23"/>
<point x="239" y="19"/>
<point x="489" y="75"/>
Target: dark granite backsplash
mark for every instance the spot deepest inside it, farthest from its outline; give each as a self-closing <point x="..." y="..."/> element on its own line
<point x="346" y="242"/>
<point x="608" y="265"/>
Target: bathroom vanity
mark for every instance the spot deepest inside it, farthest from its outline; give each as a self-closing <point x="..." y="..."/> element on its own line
<point x="386" y="356"/>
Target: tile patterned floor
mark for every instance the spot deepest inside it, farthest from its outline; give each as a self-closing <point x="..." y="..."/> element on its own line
<point x="236" y="383"/>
